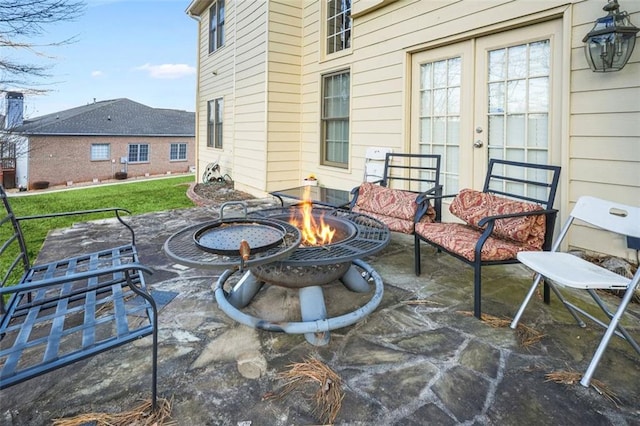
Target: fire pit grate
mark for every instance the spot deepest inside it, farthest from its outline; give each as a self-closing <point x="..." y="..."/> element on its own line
<point x="370" y="237"/>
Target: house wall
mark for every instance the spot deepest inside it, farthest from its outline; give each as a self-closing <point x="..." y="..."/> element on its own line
<point x="284" y="62"/>
<point x="600" y="143"/>
<point x="60" y="159"/>
<point x="599" y="139"/>
<point x="603" y="155"/>
<point x="236" y="72"/>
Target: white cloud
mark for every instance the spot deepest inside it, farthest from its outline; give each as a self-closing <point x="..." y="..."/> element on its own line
<point x="167" y="71"/>
<point x="97" y="74"/>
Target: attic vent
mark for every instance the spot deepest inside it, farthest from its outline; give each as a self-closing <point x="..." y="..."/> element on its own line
<point x="109" y="117"/>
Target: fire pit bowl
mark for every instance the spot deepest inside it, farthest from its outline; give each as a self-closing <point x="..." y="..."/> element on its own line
<point x="356" y="236"/>
<point x="305" y="274"/>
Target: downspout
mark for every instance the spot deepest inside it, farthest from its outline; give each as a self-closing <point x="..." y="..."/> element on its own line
<point x="266" y="100"/>
<point x="197" y="100"/>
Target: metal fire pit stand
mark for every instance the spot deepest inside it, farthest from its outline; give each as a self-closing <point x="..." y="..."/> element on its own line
<point x="314" y="325"/>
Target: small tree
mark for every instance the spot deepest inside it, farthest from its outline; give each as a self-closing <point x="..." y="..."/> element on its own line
<point x="20" y="22"/>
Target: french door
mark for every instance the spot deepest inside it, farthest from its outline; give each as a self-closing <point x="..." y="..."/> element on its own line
<point x="491" y="97"/>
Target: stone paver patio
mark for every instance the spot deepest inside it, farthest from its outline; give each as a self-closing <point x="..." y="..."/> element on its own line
<point x="418" y="359"/>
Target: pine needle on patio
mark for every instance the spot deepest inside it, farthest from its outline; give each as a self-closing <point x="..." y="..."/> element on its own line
<point x="573" y="377"/>
<point x="142" y="415"/>
<point x="525" y="335"/>
<point x="328" y="397"/>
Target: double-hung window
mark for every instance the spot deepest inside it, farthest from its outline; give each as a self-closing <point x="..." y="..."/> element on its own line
<point x="338" y="25"/>
<point x="214" y="123"/>
<point x="335" y="119"/>
<point x="138" y="153"/>
<point x="100" y="151"/>
<point x="178" y="152"/>
<point x="216" y="25"/>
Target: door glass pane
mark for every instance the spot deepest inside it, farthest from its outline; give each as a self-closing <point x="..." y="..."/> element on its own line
<point x="537" y="130"/>
<point x="496" y="97"/>
<point x="497" y="65"/>
<point x="517" y="62"/>
<point x="518" y="90"/>
<point x="440" y="100"/>
<point x="539" y="58"/>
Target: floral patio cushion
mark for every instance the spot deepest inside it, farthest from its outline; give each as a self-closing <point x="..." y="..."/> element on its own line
<point x="394" y="224"/>
<point x="394" y="207"/>
<point x="461" y="239"/>
<point x="471" y="206"/>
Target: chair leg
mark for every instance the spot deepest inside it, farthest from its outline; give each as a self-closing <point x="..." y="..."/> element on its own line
<point x="525" y="302"/>
<point x="571" y="308"/>
<point x="613" y="326"/>
<point x="621" y="331"/>
<point x="547" y="285"/>
<point x="477" y="283"/>
<point x="416" y="254"/>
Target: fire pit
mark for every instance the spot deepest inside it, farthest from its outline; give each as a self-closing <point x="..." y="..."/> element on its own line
<point x="310" y="267"/>
<point x="322" y="264"/>
<point x="283" y="257"/>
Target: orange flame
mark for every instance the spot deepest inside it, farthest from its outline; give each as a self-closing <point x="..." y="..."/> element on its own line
<point x="313" y="233"/>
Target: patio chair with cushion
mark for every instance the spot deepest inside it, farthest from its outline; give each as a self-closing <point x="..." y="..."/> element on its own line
<point x="569" y="271"/>
<point x="393" y="198"/>
<point x="510" y="214"/>
<point x="55" y="313"/>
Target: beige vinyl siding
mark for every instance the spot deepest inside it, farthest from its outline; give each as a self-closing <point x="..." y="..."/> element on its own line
<point x="604" y="131"/>
<point x="283" y="117"/>
<point x="249" y="137"/>
<point x="215" y="80"/>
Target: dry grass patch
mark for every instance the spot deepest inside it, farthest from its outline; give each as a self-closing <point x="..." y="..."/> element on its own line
<point x="328" y="396"/>
<point x="142" y="415"/>
<point x="525" y="335"/>
<point x="573" y="377"/>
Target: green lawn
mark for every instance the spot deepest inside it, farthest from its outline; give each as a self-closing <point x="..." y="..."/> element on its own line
<point x="137" y="197"/>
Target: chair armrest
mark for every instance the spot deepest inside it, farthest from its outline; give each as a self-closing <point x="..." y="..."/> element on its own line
<point x="492" y="219"/>
<point x="424" y="196"/>
<point x="116" y="210"/>
<point x="423" y="199"/>
<point x="66" y="278"/>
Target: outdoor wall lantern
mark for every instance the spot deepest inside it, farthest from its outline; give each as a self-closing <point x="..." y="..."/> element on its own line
<point x="610" y="43"/>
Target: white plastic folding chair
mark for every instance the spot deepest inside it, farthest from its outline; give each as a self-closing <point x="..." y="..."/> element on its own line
<point x="566" y="270"/>
<point x="374" y="158"/>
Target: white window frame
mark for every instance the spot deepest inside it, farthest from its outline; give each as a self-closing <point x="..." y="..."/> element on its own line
<point x="215" y="120"/>
<point x="327" y="119"/>
<point x="338" y="26"/>
<point x="137" y="153"/>
<point x="216" y="25"/>
<point x="178" y="151"/>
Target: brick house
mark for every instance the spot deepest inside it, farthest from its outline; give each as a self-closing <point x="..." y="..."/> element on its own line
<point x="95" y="141"/>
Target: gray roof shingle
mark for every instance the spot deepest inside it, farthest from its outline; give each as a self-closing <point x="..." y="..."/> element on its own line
<point x="116" y="117"/>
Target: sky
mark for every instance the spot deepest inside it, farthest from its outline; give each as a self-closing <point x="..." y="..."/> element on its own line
<point x="143" y="50"/>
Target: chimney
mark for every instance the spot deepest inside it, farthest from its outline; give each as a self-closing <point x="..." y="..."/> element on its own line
<point x="15" y="110"/>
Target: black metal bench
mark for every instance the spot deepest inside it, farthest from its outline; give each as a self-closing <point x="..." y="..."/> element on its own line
<point x="399" y="199"/>
<point x="513" y="212"/>
<point x="60" y="312"/>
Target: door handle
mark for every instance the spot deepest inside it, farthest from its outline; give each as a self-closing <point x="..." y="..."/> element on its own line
<point x="478" y="144"/>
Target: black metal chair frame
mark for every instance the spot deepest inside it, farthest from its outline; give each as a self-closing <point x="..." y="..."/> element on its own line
<point x="406" y="171"/>
<point x="60" y="312"/>
<point x="492" y="180"/>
